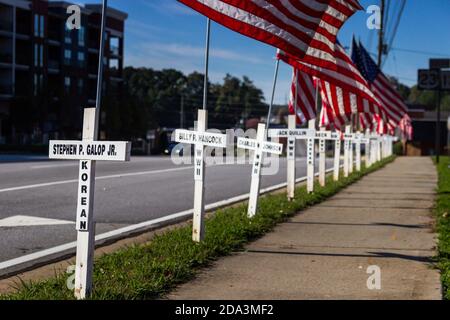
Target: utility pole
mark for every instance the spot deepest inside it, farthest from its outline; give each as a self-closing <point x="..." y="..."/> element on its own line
<point x="381" y="34"/>
<point x="438" y="126"/>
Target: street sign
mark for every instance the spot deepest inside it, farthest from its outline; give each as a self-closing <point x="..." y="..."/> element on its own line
<point x="200" y="139"/>
<point x="439" y="63"/>
<point x="260" y="146"/>
<point x="445" y="80"/>
<point x="429" y="79"/>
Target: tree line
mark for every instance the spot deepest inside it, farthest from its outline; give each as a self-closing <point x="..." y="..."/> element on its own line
<point x="156" y="98"/>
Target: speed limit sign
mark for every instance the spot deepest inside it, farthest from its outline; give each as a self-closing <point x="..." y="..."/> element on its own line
<point x="429" y="79"/>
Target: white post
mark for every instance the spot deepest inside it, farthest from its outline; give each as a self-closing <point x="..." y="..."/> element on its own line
<point x="367" y="154"/>
<point x="347" y="143"/>
<point x="322" y="160"/>
<point x="350" y="155"/>
<point x="85" y="214"/>
<point x="256" y="171"/>
<point x="198" y="225"/>
<point x="291" y="168"/>
<point x="337" y="159"/>
<point x="310" y="158"/>
<point x="379" y="142"/>
<point x="358" y="152"/>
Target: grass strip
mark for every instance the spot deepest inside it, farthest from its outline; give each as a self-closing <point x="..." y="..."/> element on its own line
<point x="150" y="270"/>
<point x="443" y="223"/>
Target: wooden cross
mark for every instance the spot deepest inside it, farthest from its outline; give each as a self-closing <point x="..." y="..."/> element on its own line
<point x="200" y="139"/>
<point x="88" y="151"/>
<point x="259" y="146"/>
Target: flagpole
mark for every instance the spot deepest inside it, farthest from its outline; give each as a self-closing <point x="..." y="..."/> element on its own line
<point x="198" y="220"/>
<point x="205" y="87"/>
<point x="277" y="66"/>
<point x="98" y="101"/>
<point x="296" y="96"/>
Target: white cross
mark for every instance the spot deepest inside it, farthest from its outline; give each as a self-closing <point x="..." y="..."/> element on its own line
<point x="259" y="146"/>
<point x="292" y="134"/>
<point x="337" y="137"/>
<point x="348" y="157"/>
<point x="322" y="136"/>
<point x="200" y="139"/>
<point x="88" y="151"/>
<point x="359" y="139"/>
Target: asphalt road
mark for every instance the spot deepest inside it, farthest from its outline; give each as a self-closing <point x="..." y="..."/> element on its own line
<point x="126" y="193"/>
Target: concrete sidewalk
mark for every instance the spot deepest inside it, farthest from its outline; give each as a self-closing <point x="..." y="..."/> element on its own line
<point x="323" y="253"/>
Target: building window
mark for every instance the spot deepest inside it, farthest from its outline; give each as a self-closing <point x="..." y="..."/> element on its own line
<point x="67" y="83"/>
<point x="81" y="59"/>
<point x="36" y="25"/>
<point x="39" y="26"/>
<point x="80" y="86"/>
<point x="41" y="55"/>
<point x="67" y="35"/>
<point x="67" y="57"/>
<point x="81" y="36"/>
<point x="41" y="82"/>
<point x="36" y="55"/>
<point x="36" y="84"/>
<point x="42" y="24"/>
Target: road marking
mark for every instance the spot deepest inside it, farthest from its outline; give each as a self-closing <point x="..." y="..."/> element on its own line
<point x="52" y="166"/>
<point x="122" y="175"/>
<point x="123" y="232"/>
<point x="28" y="221"/>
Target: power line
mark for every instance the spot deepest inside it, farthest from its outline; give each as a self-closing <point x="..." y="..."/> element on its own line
<point x="427" y="53"/>
<point x="397" y="23"/>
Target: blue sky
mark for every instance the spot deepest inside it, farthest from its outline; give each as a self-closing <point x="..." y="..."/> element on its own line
<point x="165" y="34"/>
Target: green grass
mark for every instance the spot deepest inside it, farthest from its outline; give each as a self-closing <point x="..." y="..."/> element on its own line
<point x="443" y="223"/>
<point x="151" y="270"/>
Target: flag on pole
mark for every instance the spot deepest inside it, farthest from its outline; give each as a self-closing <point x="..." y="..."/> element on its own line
<point x="345" y="75"/>
<point x="391" y="102"/>
<point x="406" y="128"/>
<point x="330" y="120"/>
<point x="306" y="96"/>
<point x="306" y="29"/>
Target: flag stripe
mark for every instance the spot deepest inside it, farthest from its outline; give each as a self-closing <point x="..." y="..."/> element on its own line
<point x="305" y="29"/>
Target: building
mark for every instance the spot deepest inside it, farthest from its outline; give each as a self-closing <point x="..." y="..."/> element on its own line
<point x="48" y="73"/>
<point x="424" y="126"/>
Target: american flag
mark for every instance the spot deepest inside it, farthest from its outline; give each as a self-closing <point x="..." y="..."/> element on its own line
<point x="345" y="75"/>
<point x="306" y="29"/>
<point x="345" y="104"/>
<point x="330" y="120"/>
<point x="373" y="123"/>
<point x="303" y="86"/>
<point x="406" y="128"/>
<point x="391" y="102"/>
